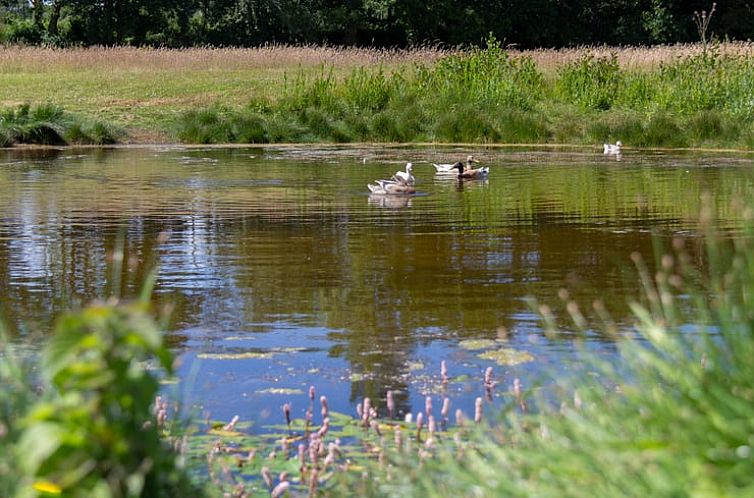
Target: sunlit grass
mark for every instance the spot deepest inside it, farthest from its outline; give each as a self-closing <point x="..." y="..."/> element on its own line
<point x="418" y="95"/>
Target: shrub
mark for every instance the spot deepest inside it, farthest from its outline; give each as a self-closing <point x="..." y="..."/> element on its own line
<point x="49" y="124"/>
<point x="91" y="432"/>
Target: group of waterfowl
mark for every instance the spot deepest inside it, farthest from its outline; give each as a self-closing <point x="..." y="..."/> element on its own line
<point x="402" y="182"/>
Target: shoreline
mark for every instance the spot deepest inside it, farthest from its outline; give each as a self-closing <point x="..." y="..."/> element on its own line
<point x="372" y="145"/>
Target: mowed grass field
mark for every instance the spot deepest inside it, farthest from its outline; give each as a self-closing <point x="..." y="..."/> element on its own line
<point x="144" y="89"/>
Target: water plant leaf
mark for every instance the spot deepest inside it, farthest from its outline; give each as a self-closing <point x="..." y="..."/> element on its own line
<point x="507" y="356"/>
<point x="475" y="344"/>
<point x="415" y="365"/>
<point x="223" y="433"/>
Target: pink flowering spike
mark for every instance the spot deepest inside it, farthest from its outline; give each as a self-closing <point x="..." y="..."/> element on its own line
<point x="280" y="490"/>
<point x="311" y="394"/>
<point x="459" y="418"/>
<point x="488" y="378"/>
<point x="444" y="371"/>
<point x="431" y="424"/>
<point x="287" y="412"/>
<point x="367" y="409"/>
<point x="323" y="402"/>
<point x="390" y="405"/>
<point x="478" y="410"/>
<point x="313" y="481"/>
<point x="267" y="476"/>
<point x="325" y="427"/>
<point x="428" y="405"/>
<point x="445" y="408"/>
<point x="232" y="424"/>
<point x="375" y="426"/>
<point x="301" y="455"/>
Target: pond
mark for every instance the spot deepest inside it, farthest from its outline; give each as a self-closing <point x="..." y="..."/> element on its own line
<point x="281" y="271"/>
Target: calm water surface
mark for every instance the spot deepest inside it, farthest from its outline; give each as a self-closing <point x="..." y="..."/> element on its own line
<point x="280" y="252"/>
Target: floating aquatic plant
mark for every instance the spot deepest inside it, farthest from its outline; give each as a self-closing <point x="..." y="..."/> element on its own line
<point x="507" y="356"/>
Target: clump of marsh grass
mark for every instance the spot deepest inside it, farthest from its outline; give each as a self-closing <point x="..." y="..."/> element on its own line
<point x="482" y="78"/>
<point x="49" y="124"/>
<point x="591" y="82"/>
<point x="675" y="418"/>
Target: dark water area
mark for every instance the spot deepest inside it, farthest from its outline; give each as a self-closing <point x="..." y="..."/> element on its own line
<point x="282" y="272"/>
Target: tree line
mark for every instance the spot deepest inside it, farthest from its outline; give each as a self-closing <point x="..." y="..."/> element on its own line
<point x="380" y="23"/>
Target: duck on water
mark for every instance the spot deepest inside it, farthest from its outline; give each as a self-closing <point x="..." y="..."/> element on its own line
<point x="450" y="168"/>
<point x="402" y="183"/>
<point x="467" y="173"/>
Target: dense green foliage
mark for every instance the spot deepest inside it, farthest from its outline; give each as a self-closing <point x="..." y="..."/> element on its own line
<point x="530" y="23"/>
<point x="51" y="125"/>
<point x="82" y="426"/>
<point x="487" y="96"/>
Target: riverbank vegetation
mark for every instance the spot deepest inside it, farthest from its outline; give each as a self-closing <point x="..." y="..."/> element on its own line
<point x="49" y="124"/>
<point x="672" y="418"/>
<point x="491" y="96"/>
<point x="682" y="96"/>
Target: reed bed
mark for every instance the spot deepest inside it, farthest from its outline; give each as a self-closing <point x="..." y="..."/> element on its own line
<point x="136" y="59"/>
<point x="15" y="58"/>
<point x="630" y="58"/>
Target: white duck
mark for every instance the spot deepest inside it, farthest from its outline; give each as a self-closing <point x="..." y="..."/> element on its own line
<point x="405" y="177"/>
<point x="612" y="149"/>
<point x="450" y="168"/>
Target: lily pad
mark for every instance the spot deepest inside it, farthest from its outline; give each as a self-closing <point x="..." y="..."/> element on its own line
<point x="291" y="349"/>
<point x="507" y="356"/>
<point x="223" y="433"/>
<point x="475" y="344"/>
<point x="415" y="365"/>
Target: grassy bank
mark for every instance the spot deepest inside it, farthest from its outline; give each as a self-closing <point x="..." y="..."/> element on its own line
<point x="490" y="96"/>
<point x="661" y="96"/>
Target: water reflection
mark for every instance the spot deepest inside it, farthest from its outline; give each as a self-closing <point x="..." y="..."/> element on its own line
<point x="390" y="201"/>
<point x="263" y="252"/>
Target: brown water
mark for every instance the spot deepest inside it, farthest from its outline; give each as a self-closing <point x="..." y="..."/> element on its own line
<point x="281" y="252"/>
